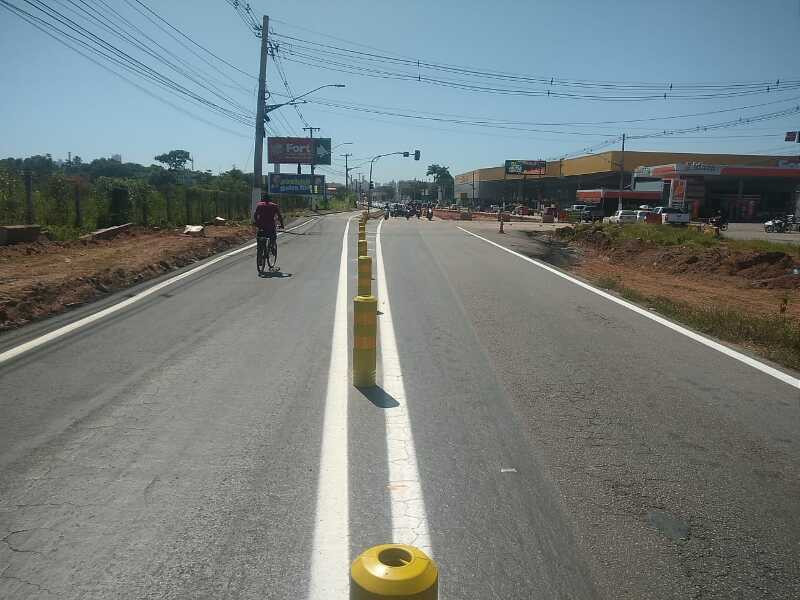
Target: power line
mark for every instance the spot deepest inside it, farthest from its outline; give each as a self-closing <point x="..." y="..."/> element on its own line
<point x="193" y="42"/>
<point x="32" y="20"/>
<point x="113" y="28"/>
<point x="321" y="53"/>
<point x="282" y="75"/>
<point x="494" y="120"/>
<point x="351" y="69"/>
<point x="114" y="55"/>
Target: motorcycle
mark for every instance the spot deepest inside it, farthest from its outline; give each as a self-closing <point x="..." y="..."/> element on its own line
<point x="776" y="225"/>
<point x="720" y="222"/>
<point x="430" y="214"/>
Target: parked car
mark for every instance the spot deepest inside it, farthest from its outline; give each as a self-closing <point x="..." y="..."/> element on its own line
<point x="641" y="215"/>
<point x="622" y="216"/>
<point x="672" y="216"/>
<point x="591" y="214"/>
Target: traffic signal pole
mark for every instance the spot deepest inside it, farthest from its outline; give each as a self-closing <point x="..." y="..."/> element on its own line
<point x="258" y="154"/>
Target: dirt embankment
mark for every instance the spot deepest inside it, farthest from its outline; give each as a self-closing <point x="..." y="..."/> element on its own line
<point x="44" y="278"/>
<point x="720" y="276"/>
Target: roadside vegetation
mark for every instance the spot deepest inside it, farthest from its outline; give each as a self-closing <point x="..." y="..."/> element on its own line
<point x="76" y="198"/>
<point x="775" y="336"/>
<point x="742" y="292"/>
<point x="667" y="235"/>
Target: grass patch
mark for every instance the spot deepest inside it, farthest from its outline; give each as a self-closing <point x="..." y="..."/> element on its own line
<point x="776" y="337"/>
<point x="763" y="246"/>
<point x="667" y="235"/>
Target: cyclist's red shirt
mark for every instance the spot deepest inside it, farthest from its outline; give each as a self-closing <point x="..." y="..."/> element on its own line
<point x="264" y="216"/>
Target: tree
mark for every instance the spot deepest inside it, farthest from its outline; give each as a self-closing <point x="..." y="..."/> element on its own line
<point x="174" y="159"/>
<point x="442" y="178"/>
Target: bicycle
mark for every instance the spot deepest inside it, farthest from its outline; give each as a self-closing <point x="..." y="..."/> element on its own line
<point x="266" y="251"/>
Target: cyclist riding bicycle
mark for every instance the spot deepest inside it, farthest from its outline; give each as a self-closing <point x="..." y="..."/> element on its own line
<point x="264" y="217"/>
<point x="267" y="244"/>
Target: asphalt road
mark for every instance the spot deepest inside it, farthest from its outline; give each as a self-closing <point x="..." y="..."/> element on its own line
<point x="755" y="231"/>
<point x="540" y="440"/>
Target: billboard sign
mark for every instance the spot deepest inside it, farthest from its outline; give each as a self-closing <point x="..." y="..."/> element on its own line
<point x="525" y="167"/>
<point x="299" y="185"/>
<point x="304" y="151"/>
<point x="678" y="193"/>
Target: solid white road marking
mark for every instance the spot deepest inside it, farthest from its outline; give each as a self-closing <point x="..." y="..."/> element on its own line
<point x="330" y="558"/>
<point x="409" y="519"/>
<point x="764" y="368"/>
<point x="75" y="325"/>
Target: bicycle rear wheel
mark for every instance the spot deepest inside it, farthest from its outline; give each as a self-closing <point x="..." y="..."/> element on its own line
<point x="272" y="253"/>
<point x="261" y="255"/>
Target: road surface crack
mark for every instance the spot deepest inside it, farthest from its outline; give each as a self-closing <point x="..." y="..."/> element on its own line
<point x="13" y="548"/>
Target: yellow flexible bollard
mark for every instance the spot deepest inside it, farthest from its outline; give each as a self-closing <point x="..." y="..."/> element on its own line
<point x="362" y="234"/>
<point x="364" y="275"/>
<point x="394" y="571"/>
<point x="365" y="332"/>
<point x="362" y="247"/>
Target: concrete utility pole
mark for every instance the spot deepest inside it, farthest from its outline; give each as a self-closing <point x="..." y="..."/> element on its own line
<point x="311" y="131"/>
<point x="346" y="173"/>
<point x="258" y="154"/>
<point x="473" y="191"/>
<point x="621" y="173"/>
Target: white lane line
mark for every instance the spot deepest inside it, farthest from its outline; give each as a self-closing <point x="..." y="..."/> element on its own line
<point x="409" y="519"/>
<point x="764" y="368"/>
<point x="330" y="558"/>
<point x="75" y="325"/>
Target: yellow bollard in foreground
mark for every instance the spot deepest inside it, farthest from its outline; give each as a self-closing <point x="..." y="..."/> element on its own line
<point x="364" y="275"/>
<point x="365" y="333"/>
<point x="362" y="247"/>
<point x="394" y="571"/>
<point x="362" y="234"/>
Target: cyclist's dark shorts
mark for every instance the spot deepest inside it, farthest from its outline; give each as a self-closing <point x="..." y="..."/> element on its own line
<point x="270" y="234"/>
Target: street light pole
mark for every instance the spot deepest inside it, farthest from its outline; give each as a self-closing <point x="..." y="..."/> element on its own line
<point x="371" y="162"/>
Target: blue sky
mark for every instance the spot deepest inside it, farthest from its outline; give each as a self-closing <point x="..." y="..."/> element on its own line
<point x="55" y="101"/>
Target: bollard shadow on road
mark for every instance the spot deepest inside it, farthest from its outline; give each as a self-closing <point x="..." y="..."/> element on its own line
<point x="379" y="397"/>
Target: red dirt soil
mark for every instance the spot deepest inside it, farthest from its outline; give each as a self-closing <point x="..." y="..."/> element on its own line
<point x="44" y="278"/>
<point x="752" y="282"/>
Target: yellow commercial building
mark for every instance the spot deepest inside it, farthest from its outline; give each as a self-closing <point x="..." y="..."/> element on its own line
<point x="563" y="178"/>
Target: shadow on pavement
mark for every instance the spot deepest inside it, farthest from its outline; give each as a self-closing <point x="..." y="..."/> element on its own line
<point x="379" y="397"/>
<point x="274" y="275"/>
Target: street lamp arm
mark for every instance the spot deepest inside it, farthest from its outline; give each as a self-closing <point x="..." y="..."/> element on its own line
<point x="293" y="101"/>
<point x="270" y="107"/>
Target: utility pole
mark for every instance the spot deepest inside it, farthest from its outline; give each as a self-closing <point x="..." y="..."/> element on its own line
<point x="258" y="154"/>
<point x="346" y="173"/>
<point x="473" y="191"/>
<point x="621" y="173"/>
<point x="311" y="131"/>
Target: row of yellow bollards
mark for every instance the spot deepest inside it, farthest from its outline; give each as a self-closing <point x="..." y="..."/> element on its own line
<point x="365" y="316"/>
<point x="395" y="571"/>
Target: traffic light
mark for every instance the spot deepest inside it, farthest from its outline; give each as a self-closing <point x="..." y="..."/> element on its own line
<point x="371" y="185"/>
<point x="416" y="154"/>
